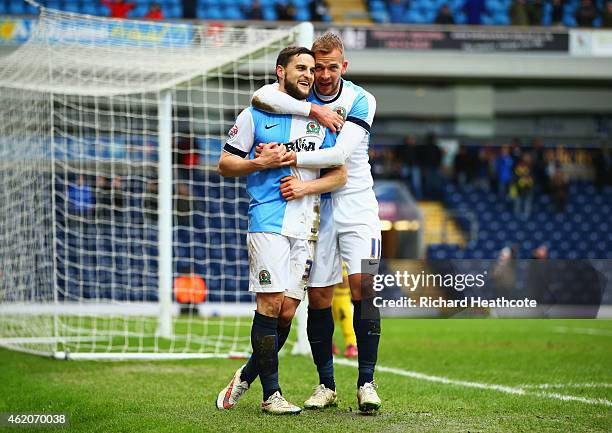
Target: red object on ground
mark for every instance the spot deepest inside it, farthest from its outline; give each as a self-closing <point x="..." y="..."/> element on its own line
<point x="190" y="289"/>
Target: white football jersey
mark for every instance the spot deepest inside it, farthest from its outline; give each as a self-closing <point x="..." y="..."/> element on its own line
<point x="355" y="105"/>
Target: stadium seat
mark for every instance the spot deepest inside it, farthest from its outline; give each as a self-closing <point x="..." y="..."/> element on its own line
<point x="16" y="7"/>
<point x="214" y="13"/>
<point x="269" y="14"/>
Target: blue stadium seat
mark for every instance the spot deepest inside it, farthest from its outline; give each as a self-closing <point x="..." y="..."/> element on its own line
<point x="233" y="13"/>
<point x="16" y="7"/>
<point x="269" y="14"/>
<point x="214" y="13"/>
<point x="302" y="14"/>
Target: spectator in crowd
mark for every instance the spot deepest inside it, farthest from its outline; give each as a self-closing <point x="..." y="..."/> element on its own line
<point x="539" y="165"/>
<point x="118" y="8"/>
<point x="503" y="169"/>
<point x="103" y="199"/>
<point x="519" y="15"/>
<point x="155" y="12"/>
<point x="397" y="9"/>
<point x="190" y="9"/>
<point x="431" y="162"/>
<point x="473" y="11"/>
<point x="80" y="198"/>
<point x="285" y="11"/>
<point x="461" y="166"/>
<point x="602" y="164"/>
<point x="539" y="279"/>
<point x="118" y="197"/>
<point x="319" y="10"/>
<point x="586" y="14"/>
<point x="557" y="12"/>
<point x="183" y="205"/>
<point x="185" y="156"/>
<point x="515" y="150"/>
<point x="559" y="189"/>
<point x="522" y="188"/>
<point x="485" y="169"/>
<point x="383" y="163"/>
<point x="606" y="15"/>
<point x="551" y="164"/>
<point x="445" y="16"/>
<point x="535" y="11"/>
<point x="150" y="205"/>
<point x="254" y="12"/>
<point x="504" y="271"/>
<point x="408" y="154"/>
<point x="191" y="158"/>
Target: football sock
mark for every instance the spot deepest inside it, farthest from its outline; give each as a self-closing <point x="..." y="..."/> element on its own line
<point x="264" y="339"/>
<point x="320" y="328"/>
<point x="249" y="372"/>
<point x="367" y="331"/>
<point x="283" y="333"/>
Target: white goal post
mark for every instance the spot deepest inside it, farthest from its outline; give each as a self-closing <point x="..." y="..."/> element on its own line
<point x="110" y="131"/>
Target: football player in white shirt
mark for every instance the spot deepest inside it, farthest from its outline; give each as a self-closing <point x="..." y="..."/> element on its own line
<point x="282" y="233"/>
<point x="350" y="227"/>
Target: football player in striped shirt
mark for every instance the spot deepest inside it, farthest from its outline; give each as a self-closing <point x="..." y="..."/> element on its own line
<point x="282" y="233"/>
<point x="350" y="227"/>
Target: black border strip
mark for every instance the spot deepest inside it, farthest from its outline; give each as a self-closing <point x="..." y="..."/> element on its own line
<point x="231" y="149"/>
<point x="360" y="122"/>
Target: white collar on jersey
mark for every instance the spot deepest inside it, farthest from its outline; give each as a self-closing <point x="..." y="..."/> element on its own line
<point x="329" y="98"/>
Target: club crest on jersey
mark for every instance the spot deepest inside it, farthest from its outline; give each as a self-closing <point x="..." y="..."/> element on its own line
<point x="341" y="111"/>
<point x="264" y="277"/>
<point x="313" y="127"/>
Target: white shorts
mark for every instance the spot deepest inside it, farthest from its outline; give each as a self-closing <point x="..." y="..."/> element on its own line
<point x="279" y="263"/>
<point x="349" y="232"/>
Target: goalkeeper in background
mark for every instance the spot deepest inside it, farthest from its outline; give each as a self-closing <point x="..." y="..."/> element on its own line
<point x="342" y="311"/>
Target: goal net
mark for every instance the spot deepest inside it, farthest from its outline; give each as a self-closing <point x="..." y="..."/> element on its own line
<point x="118" y="238"/>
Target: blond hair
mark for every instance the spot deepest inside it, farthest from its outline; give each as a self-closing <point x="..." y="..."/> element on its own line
<point x="328" y="42"/>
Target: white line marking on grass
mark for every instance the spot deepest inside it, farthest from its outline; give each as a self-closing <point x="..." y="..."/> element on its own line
<point x="587" y="331"/>
<point x="478" y="385"/>
<point x="565" y="385"/>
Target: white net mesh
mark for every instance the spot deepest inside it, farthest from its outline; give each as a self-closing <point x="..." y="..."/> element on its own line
<point x="79" y="153"/>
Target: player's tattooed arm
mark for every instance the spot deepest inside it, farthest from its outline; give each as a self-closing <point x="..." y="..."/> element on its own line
<point x="293" y="188"/>
<point x="271" y="100"/>
<point x="271" y="156"/>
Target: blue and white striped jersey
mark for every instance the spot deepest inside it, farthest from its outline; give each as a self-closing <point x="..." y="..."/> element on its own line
<point x="268" y="211"/>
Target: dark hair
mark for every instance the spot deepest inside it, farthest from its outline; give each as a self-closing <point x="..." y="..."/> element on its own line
<point x="287" y="53"/>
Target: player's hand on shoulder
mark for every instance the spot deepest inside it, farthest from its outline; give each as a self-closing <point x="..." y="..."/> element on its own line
<point x="326" y="117"/>
<point x="292" y="188"/>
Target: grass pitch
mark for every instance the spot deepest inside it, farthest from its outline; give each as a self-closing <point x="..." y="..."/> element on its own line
<point x="438" y="376"/>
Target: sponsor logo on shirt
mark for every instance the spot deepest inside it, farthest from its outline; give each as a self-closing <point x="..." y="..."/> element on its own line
<point x="233" y="131"/>
<point x="301" y="145"/>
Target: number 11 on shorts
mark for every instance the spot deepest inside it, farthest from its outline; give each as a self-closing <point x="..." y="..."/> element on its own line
<point x="376" y="249"/>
